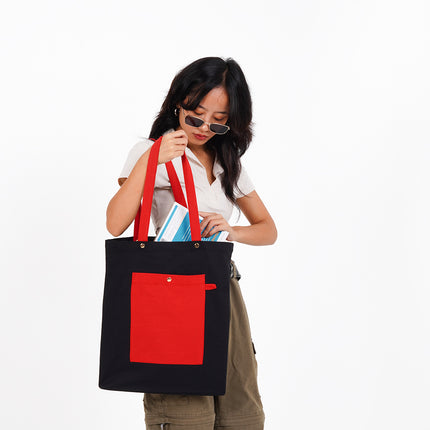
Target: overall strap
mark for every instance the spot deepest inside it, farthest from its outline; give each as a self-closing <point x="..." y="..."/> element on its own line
<point x="141" y="222"/>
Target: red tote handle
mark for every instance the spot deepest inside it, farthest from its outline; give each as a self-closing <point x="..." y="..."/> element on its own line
<point x="178" y="194"/>
<point x="141" y="222"/>
<point x="176" y="185"/>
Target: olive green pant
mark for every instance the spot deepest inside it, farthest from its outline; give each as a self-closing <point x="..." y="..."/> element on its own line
<point x="239" y="409"/>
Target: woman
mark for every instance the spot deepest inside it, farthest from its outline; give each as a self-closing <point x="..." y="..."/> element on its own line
<point x="207" y="114"/>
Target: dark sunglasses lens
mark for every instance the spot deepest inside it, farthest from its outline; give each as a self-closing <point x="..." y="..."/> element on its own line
<point x="219" y="128"/>
<point x="193" y="121"/>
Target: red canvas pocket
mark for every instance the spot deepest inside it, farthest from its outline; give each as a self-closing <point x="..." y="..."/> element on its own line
<point x="167" y="318"/>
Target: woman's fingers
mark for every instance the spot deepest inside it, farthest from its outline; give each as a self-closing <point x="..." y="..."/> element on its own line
<point x="178" y="137"/>
<point x="207" y="218"/>
<point x="178" y="133"/>
<point x="172" y="145"/>
<point x="212" y="223"/>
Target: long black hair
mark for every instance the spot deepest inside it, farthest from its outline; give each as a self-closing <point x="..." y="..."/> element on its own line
<point x="193" y="83"/>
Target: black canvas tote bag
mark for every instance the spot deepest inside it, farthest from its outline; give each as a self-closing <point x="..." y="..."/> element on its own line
<point x="166" y="306"/>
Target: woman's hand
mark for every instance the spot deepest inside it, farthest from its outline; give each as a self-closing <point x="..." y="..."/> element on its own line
<point x="213" y="223"/>
<point x="172" y="145"/>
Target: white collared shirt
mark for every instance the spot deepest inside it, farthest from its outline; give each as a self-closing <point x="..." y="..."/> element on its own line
<point x="210" y="197"/>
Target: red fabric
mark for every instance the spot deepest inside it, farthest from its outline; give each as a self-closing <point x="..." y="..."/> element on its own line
<point x="167" y="318"/>
<point x="176" y="185"/>
<point x="136" y="223"/>
<point x="144" y="214"/>
<point x="192" y="200"/>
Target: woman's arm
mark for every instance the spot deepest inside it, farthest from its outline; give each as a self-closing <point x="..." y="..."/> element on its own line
<point x="123" y="207"/>
<point x="261" y="231"/>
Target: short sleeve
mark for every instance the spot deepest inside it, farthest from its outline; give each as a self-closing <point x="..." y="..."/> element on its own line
<point x="244" y="184"/>
<point x="133" y="156"/>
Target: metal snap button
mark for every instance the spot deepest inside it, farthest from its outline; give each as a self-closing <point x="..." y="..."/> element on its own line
<point x="196" y="245"/>
<point x="142" y="245"/>
<point x="169" y="279"/>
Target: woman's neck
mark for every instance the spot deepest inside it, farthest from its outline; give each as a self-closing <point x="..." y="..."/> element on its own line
<point x="201" y="150"/>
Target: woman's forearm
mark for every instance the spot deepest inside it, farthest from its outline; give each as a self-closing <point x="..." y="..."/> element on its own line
<point x="123" y="207"/>
<point x="261" y="233"/>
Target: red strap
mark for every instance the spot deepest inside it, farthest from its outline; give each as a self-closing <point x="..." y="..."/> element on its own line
<point x="148" y="193"/>
<point x="176" y="186"/>
<point x="192" y="200"/>
<point x="174" y="182"/>
<point x="144" y="213"/>
<point x="136" y="223"/>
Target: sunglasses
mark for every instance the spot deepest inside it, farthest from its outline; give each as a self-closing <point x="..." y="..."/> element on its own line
<point x="213" y="127"/>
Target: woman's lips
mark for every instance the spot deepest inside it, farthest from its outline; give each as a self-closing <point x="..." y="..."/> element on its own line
<point x="200" y="136"/>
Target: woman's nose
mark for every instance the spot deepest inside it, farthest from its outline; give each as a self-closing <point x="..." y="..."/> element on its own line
<point x="204" y="126"/>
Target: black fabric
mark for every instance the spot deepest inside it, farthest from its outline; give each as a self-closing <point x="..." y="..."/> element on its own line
<point x="125" y="256"/>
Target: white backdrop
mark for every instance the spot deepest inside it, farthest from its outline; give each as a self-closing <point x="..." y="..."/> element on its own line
<point x="338" y="306"/>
